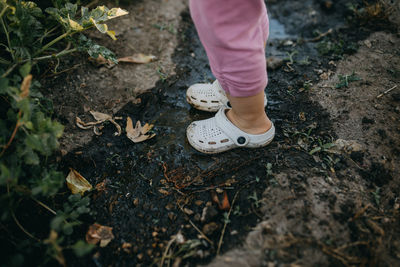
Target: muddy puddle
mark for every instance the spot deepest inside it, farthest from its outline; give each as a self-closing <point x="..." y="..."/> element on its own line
<point x="162" y="187"/>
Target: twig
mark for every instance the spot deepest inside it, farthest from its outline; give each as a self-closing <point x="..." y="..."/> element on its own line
<point x="201" y="233"/>
<point x="387" y="91"/>
<point x="18" y="223"/>
<point x="226" y="223"/>
<point x="44" y="206"/>
<point x="195" y="227"/>
<point x="166" y="251"/>
<point x="66" y="70"/>
<point x="360" y="212"/>
<point x="94" y="2"/>
<point x="319" y="37"/>
<point x="12" y="135"/>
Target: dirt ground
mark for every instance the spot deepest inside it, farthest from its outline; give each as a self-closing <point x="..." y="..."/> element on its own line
<point x="324" y="193"/>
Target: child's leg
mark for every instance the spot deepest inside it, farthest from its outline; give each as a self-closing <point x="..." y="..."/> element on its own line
<point x="234" y="33"/>
<point x="248" y="113"/>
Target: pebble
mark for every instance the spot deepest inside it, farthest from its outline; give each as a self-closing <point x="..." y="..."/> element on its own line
<point x="172" y="216"/>
<point x="210" y="228"/>
<point x="274" y="63"/>
<point x="208" y="213"/>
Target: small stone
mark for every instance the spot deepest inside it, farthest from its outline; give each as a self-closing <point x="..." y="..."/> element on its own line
<point x="368" y="43"/>
<point x="199" y="202"/>
<point x="234" y="232"/>
<point x="197" y="217"/>
<point x="188" y="211"/>
<point x="208" y="214"/>
<point x="210" y="228"/>
<point x="140" y="256"/>
<point x="172" y="216"/>
<point x="136" y="202"/>
<point x="274" y="63"/>
<point x="169" y="206"/>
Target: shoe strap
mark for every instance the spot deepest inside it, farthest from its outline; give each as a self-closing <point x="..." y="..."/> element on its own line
<point x="237" y="136"/>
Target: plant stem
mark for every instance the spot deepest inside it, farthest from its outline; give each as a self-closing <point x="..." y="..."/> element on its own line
<point x="62" y="53"/>
<point x="8" y="37"/>
<point x="3" y="11"/>
<point x="52" y="42"/>
<point x="10" y="69"/>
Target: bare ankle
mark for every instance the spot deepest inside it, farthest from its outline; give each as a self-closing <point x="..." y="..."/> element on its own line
<point x="250" y="123"/>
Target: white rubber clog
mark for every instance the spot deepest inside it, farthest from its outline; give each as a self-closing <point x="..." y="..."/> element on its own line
<point x="219" y="134"/>
<point x="209" y="96"/>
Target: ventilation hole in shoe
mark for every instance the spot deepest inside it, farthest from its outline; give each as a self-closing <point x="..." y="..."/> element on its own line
<point x="203" y="101"/>
<point x="215" y="101"/>
<point x="193" y="97"/>
<point x="212" y="143"/>
<point x="201" y="141"/>
<point x="225" y="140"/>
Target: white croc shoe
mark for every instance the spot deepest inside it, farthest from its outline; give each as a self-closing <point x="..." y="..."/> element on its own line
<point x="209" y="96"/>
<point x="219" y="134"/>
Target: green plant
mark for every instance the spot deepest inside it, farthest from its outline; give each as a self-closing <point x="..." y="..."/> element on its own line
<point x="28" y="133"/>
<point x="321" y="147"/>
<point x="344" y="80"/>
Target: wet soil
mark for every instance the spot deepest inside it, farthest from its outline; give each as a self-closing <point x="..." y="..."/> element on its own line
<point x="289" y="206"/>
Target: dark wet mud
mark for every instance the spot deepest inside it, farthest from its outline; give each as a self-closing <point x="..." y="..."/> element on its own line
<point x="162" y="187"/>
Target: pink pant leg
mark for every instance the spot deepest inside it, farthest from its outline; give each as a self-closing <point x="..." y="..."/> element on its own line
<point x="233" y="33"/>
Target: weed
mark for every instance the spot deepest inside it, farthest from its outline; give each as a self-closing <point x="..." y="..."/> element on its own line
<point x="255" y="199"/>
<point x="321" y="147"/>
<point x="344" y="80"/>
<point x="290" y="56"/>
<point x="377" y="196"/>
<point x="163" y="76"/>
<point x="236" y="211"/>
<point x="305" y="61"/>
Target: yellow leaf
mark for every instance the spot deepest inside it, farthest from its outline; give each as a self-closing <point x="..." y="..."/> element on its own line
<point x="74" y="25"/>
<point x="77" y="183"/>
<point x="116" y="12"/>
<point x="112" y="35"/>
<point x="138" y="58"/>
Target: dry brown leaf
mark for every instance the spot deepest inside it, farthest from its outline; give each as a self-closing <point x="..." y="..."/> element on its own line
<point x="139" y="133"/>
<point x="26" y="84"/>
<point x="100" y="233"/>
<point x="100" y="117"/>
<point x="77" y="183"/>
<point x="100" y="61"/>
<point x="83" y="125"/>
<point x="138" y="58"/>
<point x="117" y="126"/>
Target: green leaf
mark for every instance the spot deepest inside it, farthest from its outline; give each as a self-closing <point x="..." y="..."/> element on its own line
<point x="81" y="248"/>
<point x="25" y="69"/>
<point x="317" y="149"/>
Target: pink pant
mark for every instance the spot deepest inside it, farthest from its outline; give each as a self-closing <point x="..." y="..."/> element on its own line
<point x="233" y="33"/>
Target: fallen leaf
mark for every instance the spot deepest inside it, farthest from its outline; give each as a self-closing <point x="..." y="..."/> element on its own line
<point x="77" y="183"/>
<point x="100" y="233"/>
<point x="83" y="125"/>
<point x="100" y="117"/>
<point x="138" y="58"/>
<point x="26" y="84"/>
<point x="100" y="61"/>
<point x="117" y="126"/>
<point x="96" y="130"/>
<point x="101" y="186"/>
<point x="139" y="133"/>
